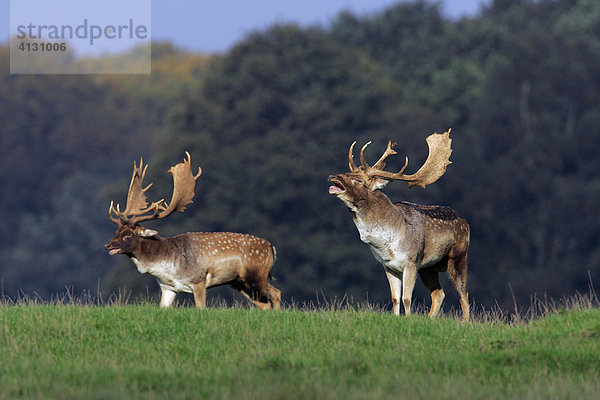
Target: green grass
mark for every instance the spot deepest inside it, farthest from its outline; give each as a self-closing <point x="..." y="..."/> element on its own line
<point x="65" y="351"/>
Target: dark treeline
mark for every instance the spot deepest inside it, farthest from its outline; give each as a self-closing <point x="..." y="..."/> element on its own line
<point x="269" y="120"/>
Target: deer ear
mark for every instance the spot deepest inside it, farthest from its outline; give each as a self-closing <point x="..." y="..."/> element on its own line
<point x="148" y="233"/>
<point x="379" y="183"/>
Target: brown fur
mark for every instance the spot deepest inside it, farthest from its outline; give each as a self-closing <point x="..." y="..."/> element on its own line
<point x="190" y="262"/>
<point x="193" y="262"/>
<point x="408" y="239"/>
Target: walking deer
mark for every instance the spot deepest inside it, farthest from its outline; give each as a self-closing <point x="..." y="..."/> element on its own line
<point x="190" y="262"/>
<point x="408" y="239"/>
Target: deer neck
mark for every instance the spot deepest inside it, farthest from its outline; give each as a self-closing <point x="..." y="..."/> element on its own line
<point x="385" y="229"/>
<point x="377" y="219"/>
<point x="153" y="251"/>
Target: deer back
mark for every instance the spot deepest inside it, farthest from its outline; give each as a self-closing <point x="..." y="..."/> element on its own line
<point x="217" y="258"/>
<point x="437" y="228"/>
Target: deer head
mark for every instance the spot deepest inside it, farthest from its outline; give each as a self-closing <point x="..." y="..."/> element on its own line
<point x="137" y="210"/>
<point x="355" y="185"/>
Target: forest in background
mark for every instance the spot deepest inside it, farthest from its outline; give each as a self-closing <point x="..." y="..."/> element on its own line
<point x="270" y="119"/>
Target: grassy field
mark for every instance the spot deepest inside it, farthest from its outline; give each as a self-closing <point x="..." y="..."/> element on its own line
<point x="66" y="351"/>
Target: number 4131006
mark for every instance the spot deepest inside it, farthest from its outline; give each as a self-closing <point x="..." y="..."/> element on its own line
<point x="43" y="46"/>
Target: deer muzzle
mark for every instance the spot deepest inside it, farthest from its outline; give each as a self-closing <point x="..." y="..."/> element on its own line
<point x="112" y="248"/>
<point x="336" y="186"/>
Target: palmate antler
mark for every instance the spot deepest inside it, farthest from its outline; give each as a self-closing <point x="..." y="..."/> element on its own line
<point x="433" y="168"/>
<point x="137" y="209"/>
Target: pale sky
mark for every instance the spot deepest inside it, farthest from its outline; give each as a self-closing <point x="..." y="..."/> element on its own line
<point x="214" y="26"/>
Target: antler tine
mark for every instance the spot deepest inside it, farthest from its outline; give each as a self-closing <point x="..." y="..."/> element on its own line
<point x="144" y="175"/>
<point x="111" y="211"/>
<point x="156" y="207"/>
<point x="362" y="156"/>
<point x="389" y="175"/>
<point x="389" y="151"/>
<point x="189" y="161"/>
<point x="434" y="167"/>
<point x="351" y="165"/>
<point x="136" y="196"/>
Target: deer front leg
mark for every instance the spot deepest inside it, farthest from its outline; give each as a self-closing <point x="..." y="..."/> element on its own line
<point x="199" y="290"/>
<point x="166" y="297"/>
<point x="396" y="289"/>
<point x="409" y="276"/>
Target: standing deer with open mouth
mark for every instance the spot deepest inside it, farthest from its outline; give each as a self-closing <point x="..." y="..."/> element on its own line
<point x="190" y="262"/>
<point x="408" y="239"/>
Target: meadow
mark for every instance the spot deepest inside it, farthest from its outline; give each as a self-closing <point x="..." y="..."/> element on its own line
<point x="74" y="350"/>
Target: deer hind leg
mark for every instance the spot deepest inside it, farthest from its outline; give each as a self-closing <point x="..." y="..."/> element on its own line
<point x="266" y="296"/>
<point x="199" y="291"/>
<point x="457" y="268"/>
<point x="430" y="278"/>
<point x="396" y="290"/>
<point x="254" y="294"/>
<point x="260" y="301"/>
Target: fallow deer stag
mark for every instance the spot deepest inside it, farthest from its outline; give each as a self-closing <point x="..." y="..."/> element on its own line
<point x="190" y="262"/>
<point x="408" y="239"/>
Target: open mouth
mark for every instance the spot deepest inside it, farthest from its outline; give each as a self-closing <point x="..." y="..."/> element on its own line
<point x="112" y="252"/>
<point x="336" y="186"/>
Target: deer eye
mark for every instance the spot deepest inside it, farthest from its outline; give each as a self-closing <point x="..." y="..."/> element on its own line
<point x="356" y="180"/>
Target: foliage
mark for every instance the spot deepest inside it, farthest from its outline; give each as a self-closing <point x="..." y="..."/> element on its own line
<point x="269" y="120"/>
<point x="63" y="139"/>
